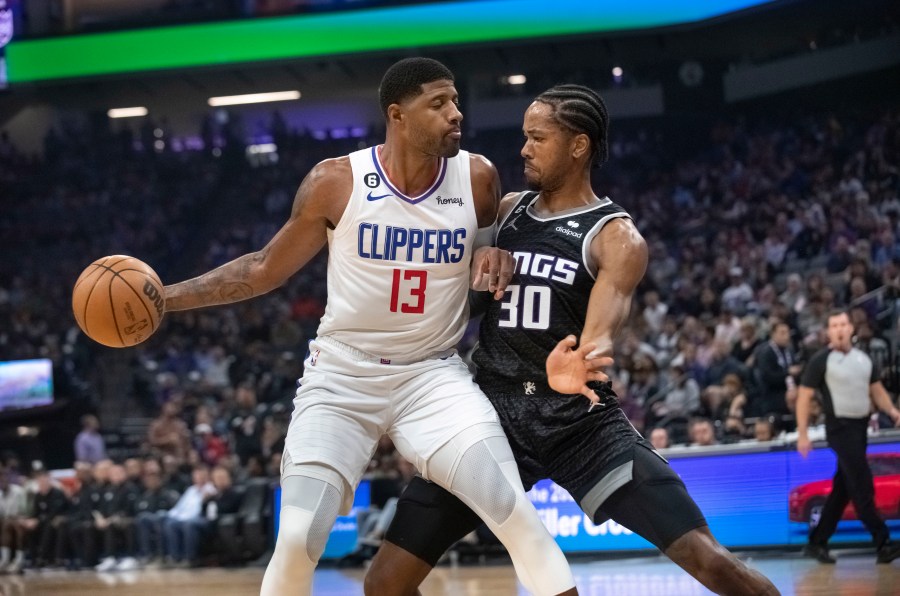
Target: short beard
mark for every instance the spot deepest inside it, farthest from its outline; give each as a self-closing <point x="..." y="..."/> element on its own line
<point x="451" y="150"/>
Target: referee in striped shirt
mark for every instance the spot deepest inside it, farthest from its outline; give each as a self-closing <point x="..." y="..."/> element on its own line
<point x="848" y="382"/>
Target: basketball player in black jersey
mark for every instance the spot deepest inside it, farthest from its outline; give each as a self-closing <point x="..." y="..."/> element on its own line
<point x="579" y="260"/>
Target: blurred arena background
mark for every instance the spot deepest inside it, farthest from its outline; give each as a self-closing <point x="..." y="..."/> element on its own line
<point x="756" y="144"/>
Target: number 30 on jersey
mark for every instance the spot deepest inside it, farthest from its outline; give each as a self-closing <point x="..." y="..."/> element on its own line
<point x="526" y="306"/>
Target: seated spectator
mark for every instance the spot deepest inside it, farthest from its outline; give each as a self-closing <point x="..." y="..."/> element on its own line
<point x="46" y="519"/>
<point x="702" y="433"/>
<point x="134" y="470"/>
<point x="209" y="447"/>
<point x="764" y="429"/>
<point x="185" y="522"/>
<point x="747" y="342"/>
<point x="114" y="521"/>
<point x="168" y="434"/>
<point x="738" y="294"/>
<point x="79" y="530"/>
<point x="654" y="312"/>
<point x="722" y="364"/>
<point x="175" y="478"/>
<point x="13" y="509"/>
<point x="659" y="438"/>
<point x="733" y="408"/>
<point x="226" y="501"/>
<point x="245" y="423"/>
<point x="793" y="296"/>
<point x="666" y="343"/>
<point x="678" y="400"/>
<point x="151" y="509"/>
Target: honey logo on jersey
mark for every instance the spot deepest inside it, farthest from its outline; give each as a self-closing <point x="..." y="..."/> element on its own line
<point x="449" y="200"/>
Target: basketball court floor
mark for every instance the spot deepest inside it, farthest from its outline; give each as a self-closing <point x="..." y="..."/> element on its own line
<point x="855" y="574"/>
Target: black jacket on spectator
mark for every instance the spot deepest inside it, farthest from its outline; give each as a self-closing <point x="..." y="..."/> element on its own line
<point x="770" y="370"/>
<point x="118" y="500"/>
<point x="48" y="506"/>
<point x="85" y="501"/>
<point x="224" y="503"/>
<point x="151" y="501"/>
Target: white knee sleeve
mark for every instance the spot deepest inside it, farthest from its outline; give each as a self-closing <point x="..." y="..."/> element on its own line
<point x="309" y="507"/>
<point x="485" y="477"/>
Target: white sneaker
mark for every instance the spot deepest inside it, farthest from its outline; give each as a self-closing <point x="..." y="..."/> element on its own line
<point x="106" y="564"/>
<point x="128" y="564"/>
<point x="15" y="567"/>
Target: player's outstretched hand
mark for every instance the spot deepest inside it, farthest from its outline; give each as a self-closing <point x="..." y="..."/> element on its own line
<point x="492" y="269"/>
<point x="569" y="370"/>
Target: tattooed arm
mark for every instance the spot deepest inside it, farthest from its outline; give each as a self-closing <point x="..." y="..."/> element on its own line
<point x="318" y="206"/>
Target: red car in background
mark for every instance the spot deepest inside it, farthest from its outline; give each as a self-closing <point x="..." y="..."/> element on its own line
<point x="806" y="501"/>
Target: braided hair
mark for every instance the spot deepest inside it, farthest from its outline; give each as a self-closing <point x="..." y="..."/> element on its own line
<point x="405" y="79"/>
<point x="581" y="110"/>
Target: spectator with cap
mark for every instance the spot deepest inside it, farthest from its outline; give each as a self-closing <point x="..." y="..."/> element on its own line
<point x="209" y="447"/>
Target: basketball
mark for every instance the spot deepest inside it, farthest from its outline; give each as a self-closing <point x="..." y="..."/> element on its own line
<point x="118" y="301"/>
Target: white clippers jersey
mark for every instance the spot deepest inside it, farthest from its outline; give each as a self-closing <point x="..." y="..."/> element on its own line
<point x="398" y="266"/>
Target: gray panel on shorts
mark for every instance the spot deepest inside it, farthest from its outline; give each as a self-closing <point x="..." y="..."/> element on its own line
<point x="613" y="481"/>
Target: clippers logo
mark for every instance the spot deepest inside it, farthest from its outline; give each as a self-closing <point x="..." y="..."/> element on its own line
<point x="153" y="294"/>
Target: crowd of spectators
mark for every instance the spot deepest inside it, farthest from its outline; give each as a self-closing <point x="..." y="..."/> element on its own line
<point x="752" y="239"/>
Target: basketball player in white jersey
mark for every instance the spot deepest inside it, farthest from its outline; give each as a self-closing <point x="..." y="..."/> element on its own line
<point x="402" y="224"/>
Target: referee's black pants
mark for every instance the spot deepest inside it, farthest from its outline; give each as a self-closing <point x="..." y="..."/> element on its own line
<point x="852" y="482"/>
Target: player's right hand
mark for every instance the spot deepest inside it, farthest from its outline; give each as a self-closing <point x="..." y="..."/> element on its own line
<point x="804" y="445"/>
<point x="492" y="270"/>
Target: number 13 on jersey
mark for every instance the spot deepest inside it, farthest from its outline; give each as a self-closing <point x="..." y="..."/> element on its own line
<point x="411" y="283"/>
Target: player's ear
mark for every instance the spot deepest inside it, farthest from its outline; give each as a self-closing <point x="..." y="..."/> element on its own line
<point x="581" y="146"/>
<point x="394" y="114"/>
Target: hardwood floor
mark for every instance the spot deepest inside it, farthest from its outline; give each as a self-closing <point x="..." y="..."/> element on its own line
<point x="855" y="575"/>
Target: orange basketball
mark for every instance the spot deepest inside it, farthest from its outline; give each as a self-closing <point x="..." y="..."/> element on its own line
<point x="118" y="301"/>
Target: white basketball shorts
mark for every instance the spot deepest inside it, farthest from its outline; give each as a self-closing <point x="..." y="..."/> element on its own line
<point x="348" y="399"/>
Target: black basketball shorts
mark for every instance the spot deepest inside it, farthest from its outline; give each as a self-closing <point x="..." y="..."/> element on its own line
<point x="654" y="504"/>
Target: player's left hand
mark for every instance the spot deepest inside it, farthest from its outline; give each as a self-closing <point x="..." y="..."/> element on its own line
<point x="569" y="370"/>
<point x="492" y="270"/>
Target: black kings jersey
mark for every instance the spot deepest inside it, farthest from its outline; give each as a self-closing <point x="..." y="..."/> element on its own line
<point x="548" y="296"/>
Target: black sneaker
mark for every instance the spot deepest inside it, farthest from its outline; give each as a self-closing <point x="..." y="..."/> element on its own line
<point x="888" y="552"/>
<point x="819" y="553"/>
